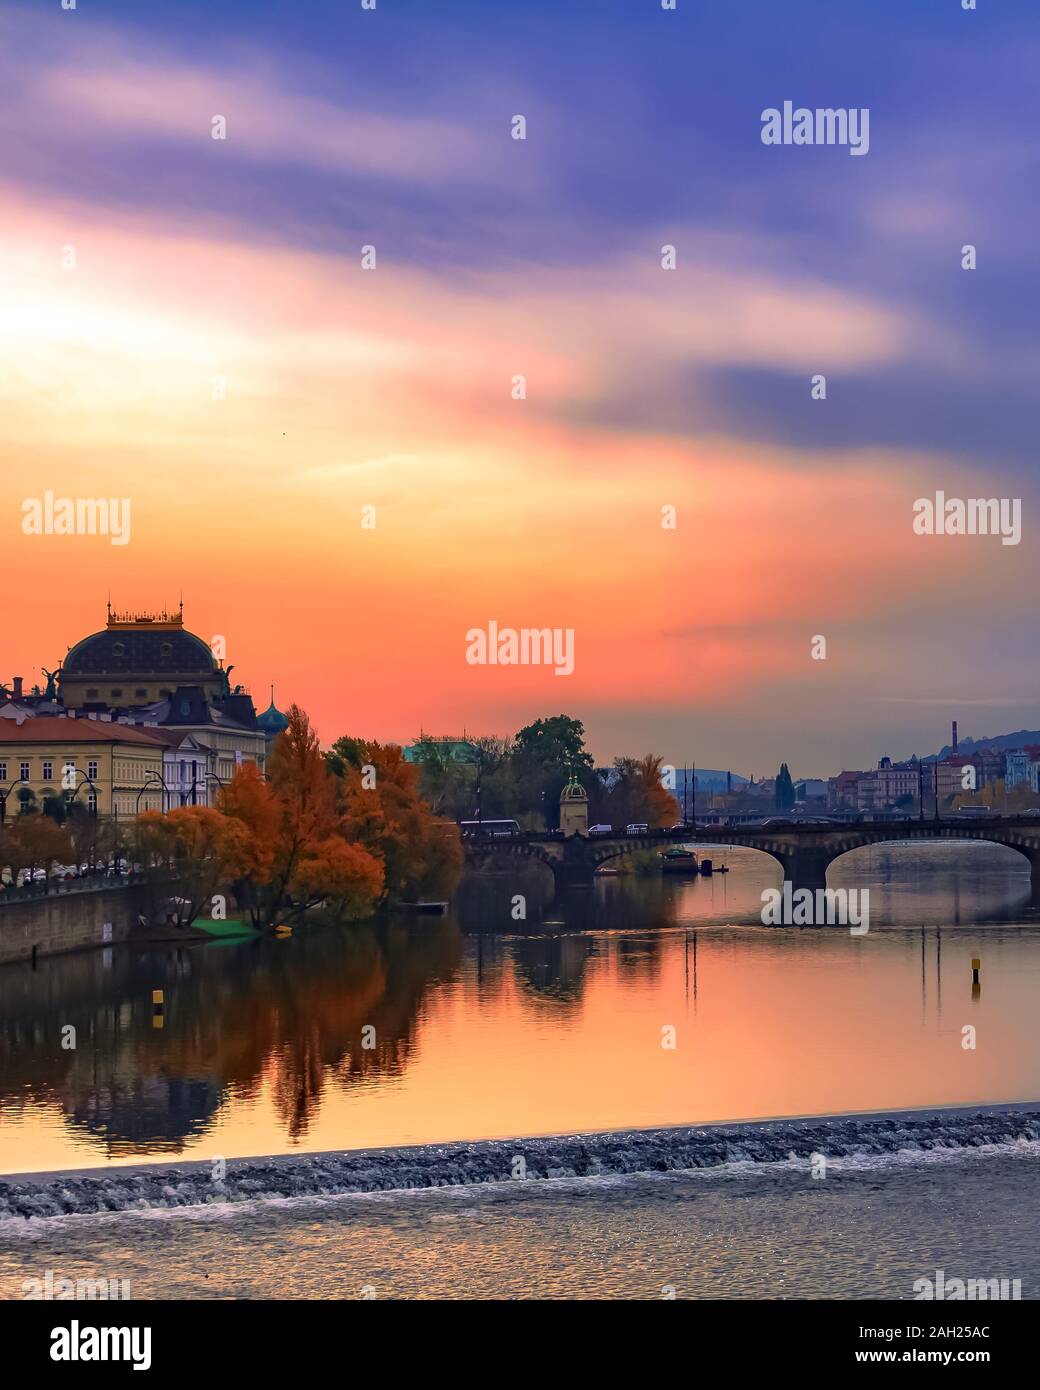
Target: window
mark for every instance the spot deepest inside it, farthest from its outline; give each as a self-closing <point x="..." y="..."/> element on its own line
<point x="92" y="802"/>
<point x="116" y="693"/>
<point x="48" y="769"/>
<point x="140" y="694"/>
<point x="24" y="772"/>
<point x="92" y="769"/>
<point x="3" y="772"/>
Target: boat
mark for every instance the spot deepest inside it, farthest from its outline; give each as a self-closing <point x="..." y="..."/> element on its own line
<point x="708" y="867"/>
<point x="428" y="909"/>
<point x="680" y="861"/>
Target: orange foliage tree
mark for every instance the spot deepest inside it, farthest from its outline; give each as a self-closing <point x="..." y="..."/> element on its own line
<point x="297" y="853"/>
<point x="638" y="794"/>
<point x="203" y="850"/>
<point x="32" y="842"/>
<point x="379" y="795"/>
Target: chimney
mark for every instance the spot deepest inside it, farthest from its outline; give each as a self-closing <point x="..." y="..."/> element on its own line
<point x="955" y="735"/>
<point x="17" y="687"/>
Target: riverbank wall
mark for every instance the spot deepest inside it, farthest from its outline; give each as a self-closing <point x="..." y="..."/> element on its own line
<point x="72" y="920"/>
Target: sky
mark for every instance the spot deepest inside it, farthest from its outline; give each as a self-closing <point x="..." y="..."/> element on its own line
<point x="187" y="324"/>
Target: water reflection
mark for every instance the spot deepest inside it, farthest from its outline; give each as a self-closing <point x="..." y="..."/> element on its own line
<point x="481" y="1024"/>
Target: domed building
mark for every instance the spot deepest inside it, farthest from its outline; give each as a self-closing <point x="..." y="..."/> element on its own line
<point x="272" y="721"/>
<point x="147" y="671"/>
<point x="137" y="659"/>
<point x="574" y="809"/>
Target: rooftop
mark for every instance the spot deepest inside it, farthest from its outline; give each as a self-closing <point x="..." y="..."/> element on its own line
<point x="49" y="729"/>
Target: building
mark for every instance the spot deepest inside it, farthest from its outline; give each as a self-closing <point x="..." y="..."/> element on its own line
<point x="896" y="784"/>
<point x="146" y="672"/>
<point x="206" y="741"/>
<point x="574" y="809"/>
<point x="137" y="659"/>
<point x="811" y="793"/>
<point x="966" y="773"/>
<point x="112" y="768"/>
<point x="843" y="791"/>
<point x="272" y="722"/>
<point x="1016" y="768"/>
<point x="447" y="748"/>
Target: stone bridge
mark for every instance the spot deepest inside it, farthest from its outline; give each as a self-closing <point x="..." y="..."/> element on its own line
<point x="804" y="852"/>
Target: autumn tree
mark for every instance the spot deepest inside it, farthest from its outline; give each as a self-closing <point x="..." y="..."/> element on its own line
<point x="296" y="854"/>
<point x="204" y="849"/>
<point x="384" y="811"/>
<point x="639" y="795"/>
<point x="32" y="842"/>
<point x="95" y="839"/>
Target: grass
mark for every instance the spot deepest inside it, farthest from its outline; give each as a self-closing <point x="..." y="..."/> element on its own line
<point x="231" y="926"/>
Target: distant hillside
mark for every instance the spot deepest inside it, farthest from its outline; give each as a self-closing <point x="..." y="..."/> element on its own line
<point x="1001" y="742"/>
<point x="710" y="779"/>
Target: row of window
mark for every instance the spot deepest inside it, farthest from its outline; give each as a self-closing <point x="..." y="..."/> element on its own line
<point x="47" y="770"/>
<point x="140" y="694"/>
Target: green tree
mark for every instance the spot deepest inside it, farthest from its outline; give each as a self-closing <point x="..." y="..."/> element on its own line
<point x="545" y="755"/>
<point x="784" y="795"/>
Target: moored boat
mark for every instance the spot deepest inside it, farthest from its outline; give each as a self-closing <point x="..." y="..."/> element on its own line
<point x="679" y="861"/>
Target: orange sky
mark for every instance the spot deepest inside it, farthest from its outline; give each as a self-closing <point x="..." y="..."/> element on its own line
<point x="392" y="388"/>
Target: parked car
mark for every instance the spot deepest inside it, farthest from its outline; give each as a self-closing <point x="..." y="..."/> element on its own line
<point x="640" y="829"/>
<point x="601" y="830"/>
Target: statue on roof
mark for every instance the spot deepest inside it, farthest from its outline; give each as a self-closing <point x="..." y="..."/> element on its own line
<point x="51" y="693"/>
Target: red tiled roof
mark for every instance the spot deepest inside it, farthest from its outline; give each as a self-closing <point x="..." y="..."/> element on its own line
<point x="51" y="729"/>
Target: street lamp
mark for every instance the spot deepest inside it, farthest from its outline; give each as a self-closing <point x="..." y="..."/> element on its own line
<point x="205" y="778"/>
<point x="79" y="786"/>
<point x="152" y="777"/>
<point x="5" y="792"/>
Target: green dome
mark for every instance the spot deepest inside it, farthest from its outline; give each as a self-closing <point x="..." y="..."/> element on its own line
<point x="272" y="721"/>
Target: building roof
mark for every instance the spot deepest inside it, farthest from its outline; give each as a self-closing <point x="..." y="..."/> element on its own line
<point x="130" y="650"/>
<point x="49" y="730"/>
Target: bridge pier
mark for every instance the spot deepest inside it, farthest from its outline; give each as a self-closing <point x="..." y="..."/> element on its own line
<point x="806" y="867"/>
<point x="1034" y="878"/>
<point x="573" y="876"/>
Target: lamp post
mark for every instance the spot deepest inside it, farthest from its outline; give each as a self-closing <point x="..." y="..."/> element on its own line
<point x="5" y="792"/>
<point x="79" y="786"/>
<point x="206" y="777"/>
<point x="151" y="777"/>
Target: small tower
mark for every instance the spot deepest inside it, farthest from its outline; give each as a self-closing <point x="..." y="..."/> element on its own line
<point x="574" y="808"/>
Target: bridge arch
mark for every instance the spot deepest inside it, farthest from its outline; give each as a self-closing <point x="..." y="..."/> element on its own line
<point x="1020" y="846"/>
<point x="773" y="852"/>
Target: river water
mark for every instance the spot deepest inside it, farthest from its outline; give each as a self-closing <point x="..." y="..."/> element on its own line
<point x="487" y="1027"/>
<point x="636" y="1004"/>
